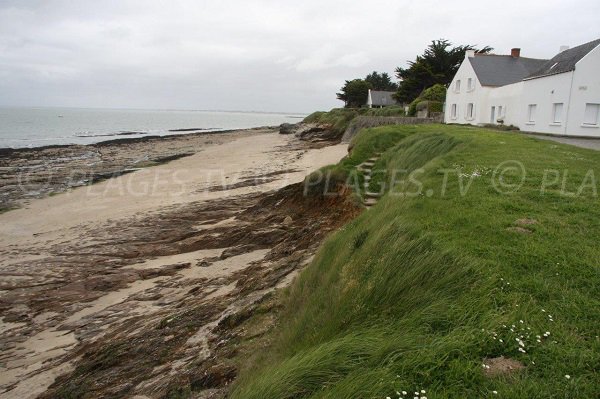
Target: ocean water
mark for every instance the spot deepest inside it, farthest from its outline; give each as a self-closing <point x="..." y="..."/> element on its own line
<point x="35" y="127"/>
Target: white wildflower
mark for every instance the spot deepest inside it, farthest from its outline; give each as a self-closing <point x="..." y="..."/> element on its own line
<point x="423" y="391"/>
<point x="495" y="392"/>
<point x="567" y="376"/>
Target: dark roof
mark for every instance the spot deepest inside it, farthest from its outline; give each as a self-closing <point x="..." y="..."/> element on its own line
<point x="500" y="70"/>
<point x="382" y="97"/>
<point x="564" y="61"/>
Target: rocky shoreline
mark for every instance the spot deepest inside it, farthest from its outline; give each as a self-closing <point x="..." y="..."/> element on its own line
<point x="29" y="173"/>
<point x="155" y="296"/>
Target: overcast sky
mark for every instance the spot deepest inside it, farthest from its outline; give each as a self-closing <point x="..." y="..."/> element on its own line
<point x="250" y="55"/>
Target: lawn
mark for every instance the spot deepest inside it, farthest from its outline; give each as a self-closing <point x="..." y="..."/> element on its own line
<point x="486" y="245"/>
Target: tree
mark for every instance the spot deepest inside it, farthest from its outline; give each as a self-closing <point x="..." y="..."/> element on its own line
<point x="381" y="81"/>
<point x="436" y="92"/>
<point x="431" y="98"/>
<point x="438" y="64"/>
<point x="354" y="93"/>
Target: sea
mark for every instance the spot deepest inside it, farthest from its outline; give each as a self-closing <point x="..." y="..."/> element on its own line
<point x="37" y="127"/>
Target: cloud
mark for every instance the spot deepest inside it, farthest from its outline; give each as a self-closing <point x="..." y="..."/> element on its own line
<point x="252" y="55"/>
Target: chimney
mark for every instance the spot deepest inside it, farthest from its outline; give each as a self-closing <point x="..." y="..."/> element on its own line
<point x="469" y="53"/>
<point x="515" y="52"/>
<point x="563" y="48"/>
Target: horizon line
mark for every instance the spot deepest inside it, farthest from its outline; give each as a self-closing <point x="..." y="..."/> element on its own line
<point x="157" y="109"/>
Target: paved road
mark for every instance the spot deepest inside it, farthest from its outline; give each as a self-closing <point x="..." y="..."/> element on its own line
<point x="593" y="144"/>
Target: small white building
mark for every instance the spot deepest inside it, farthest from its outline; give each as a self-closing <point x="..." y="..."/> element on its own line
<point x="380" y="98"/>
<point x="557" y="96"/>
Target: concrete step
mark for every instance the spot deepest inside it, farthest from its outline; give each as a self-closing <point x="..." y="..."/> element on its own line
<point x="372" y="194"/>
<point x="370" y="201"/>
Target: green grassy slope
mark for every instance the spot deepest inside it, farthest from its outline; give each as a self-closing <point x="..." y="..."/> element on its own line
<point x="416" y="292"/>
<point x="340" y="118"/>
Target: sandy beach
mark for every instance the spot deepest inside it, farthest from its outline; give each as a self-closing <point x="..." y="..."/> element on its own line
<point x="194" y="241"/>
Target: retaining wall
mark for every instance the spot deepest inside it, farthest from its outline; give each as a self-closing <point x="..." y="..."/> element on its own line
<point x="363" y="122"/>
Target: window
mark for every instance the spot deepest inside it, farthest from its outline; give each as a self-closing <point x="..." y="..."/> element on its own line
<point x="470" y="111"/>
<point x="457" y="86"/>
<point x="453" y="111"/>
<point x="470" y="85"/>
<point x="590" y="117"/>
<point x="499" y="111"/>
<point x="557" y="112"/>
<point x="531" y="113"/>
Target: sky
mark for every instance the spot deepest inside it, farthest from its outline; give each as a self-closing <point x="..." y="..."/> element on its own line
<point x="250" y="55"/>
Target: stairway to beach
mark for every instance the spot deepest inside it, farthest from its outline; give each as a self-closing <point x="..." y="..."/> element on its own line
<point x="369" y="198"/>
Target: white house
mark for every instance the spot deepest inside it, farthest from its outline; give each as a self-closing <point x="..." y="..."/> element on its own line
<point x="557" y="96"/>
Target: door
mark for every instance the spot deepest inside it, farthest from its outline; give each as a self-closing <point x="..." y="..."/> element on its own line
<point x="493" y="115"/>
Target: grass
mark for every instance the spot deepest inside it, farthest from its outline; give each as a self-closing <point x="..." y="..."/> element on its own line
<point x="340" y="118"/>
<point x="363" y="147"/>
<point x="418" y="291"/>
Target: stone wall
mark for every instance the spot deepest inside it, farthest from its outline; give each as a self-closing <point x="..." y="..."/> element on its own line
<point x="363" y="122"/>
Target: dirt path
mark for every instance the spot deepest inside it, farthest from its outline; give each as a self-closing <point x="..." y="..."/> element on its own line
<point x="124" y="261"/>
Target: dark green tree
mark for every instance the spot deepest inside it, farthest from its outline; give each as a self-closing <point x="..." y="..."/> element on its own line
<point x="438" y="64"/>
<point x="354" y="93"/>
<point x="381" y="81"/>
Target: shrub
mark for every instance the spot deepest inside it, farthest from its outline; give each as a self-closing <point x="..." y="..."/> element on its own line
<point x="434" y="93"/>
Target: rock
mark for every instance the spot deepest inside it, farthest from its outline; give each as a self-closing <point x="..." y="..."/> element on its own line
<point x="288" y="220"/>
<point x="235" y="251"/>
<point x="167" y="270"/>
<point x="287" y="128"/>
<point x="501" y="366"/>
<point x="317" y="132"/>
<point x="216" y="376"/>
